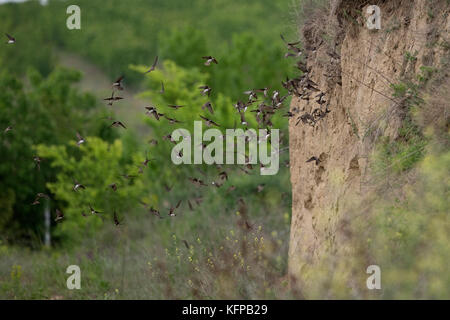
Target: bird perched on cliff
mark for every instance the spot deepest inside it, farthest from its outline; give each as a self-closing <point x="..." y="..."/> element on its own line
<point x="302" y="67"/>
<point x="11" y="39"/>
<point x="333" y="55"/>
<point x="319" y="113"/>
<point x="320" y="99"/>
<point x="306" y="119"/>
<point x="153" y="67"/>
<point x="209" y="60"/>
<point x="314" y="158"/>
<point x="308" y="84"/>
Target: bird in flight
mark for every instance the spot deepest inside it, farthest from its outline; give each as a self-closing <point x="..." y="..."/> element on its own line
<point x="11" y="39"/>
<point x="314" y="158"/>
<point x="37" y="160"/>
<point x="289" y="43"/>
<point x="223" y="175"/>
<point x="243" y="121"/>
<point x="112" y="99"/>
<point x="209" y="122"/>
<point x="38" y="197"/>
<point x="265" y="91"/>
<point x="116" y="219"/>
<point x="197" y="182"/>
<point x="186" y="244"/>
<point x="174" y="106"/>
<point x="152" y="111"/>
<point x="117" y="124"/>
<point x="167" y="188"/>
<point x="77" y="186"/>
<point x="59" y="215"/>
<point x="155" y="212"/>
<point x="128" y="176"/>
<point x="9" y="128"/>
<point x="171" y="120"/>
<point x="80" y="139"/>
<point x="146" y="161"/>
<point x="92" y="210"/>
<point x="169" y="137"/>
<point x="209" y="60"/>
<point x="208" y="106"/>
<point x="205" y="90"/>
<point x="118" y="83"/>
<point x="252" y="97"/>
<point x="153" y="67"/>
<point x="172" y="209"/>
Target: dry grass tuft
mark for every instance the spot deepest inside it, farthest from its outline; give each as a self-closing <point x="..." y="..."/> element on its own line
<point x="435" y="114"/>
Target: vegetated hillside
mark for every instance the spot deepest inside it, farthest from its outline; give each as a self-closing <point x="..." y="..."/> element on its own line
<point x="375" y="196"/>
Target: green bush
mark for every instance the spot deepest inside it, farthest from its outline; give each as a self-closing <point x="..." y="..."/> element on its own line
<point x="96" y="165"/>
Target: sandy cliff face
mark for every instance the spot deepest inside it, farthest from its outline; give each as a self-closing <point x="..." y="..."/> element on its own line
<point x="356" y="81"/>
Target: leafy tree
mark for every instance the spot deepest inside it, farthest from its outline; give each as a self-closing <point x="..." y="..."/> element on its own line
<point x="48" y="111"/>
<point x="97" y="166"/>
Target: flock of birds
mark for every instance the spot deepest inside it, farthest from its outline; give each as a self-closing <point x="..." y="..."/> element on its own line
<point x="264" y="109"/>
